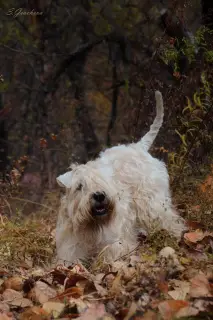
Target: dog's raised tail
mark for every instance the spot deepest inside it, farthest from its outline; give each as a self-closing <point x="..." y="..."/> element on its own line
<point x="150" y="136"/>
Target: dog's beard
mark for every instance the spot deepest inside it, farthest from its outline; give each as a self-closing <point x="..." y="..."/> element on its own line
<point x="100" y="209"/>
<point x="92" y="216"/>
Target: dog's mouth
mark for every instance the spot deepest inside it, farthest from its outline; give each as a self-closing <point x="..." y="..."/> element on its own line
<point x="99" y="209"/>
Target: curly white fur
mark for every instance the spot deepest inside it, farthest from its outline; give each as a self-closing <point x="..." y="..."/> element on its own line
<point x="136" y="186"/>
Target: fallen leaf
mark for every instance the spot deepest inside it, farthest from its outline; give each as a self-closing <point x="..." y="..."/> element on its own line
<point x="194" y="224"/>
<point x="69" y="277"/>
<point x="41" y="292"/>
<point x="34" y="313"/>
<point x="169" y="308"/>
<point x="196" y="208"/>
<point x="15" y="298"/>
<point x="200" y="286"/>
<point x="79" y="269"/>
<point x="180" y="293"/>
<point x="187" y="312"/>
<point x="54" y="308"/>
<point x="195" y="236"/>
<point x="162" y="283"/>
<point x="73" y="279"/>
<point x="116" y="285"/>
<point x="109" y="277"/>
<point x="38" y="273"/>
<point x="95" y="312"/>
<point x="4" y="307"/>
<point x="89" y="287"/>
<point x="149" y="315"/>
<point x="73" y="292"/>
<point x="121" y="313"/>
<point x="5" y="316"/>
<point x="128" y="273"/>
<point x="58" y="276"/>
<point x="1" y="283"/>
<point x="99" y="277"/>
<point x="116" y="266"/>
<point x="3" y="272"/>
<point x="101" y="290"/>
<point x="163" y="287"/>
<point x="200" y="305"/>
<point x="81" y="305"/>
<point x="23" y="303"/>
<point x="15" y="283"/>
<point x="131" y="311"/>
<point x="197" y="256"/>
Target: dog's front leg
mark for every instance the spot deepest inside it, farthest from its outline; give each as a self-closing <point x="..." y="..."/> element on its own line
<point x="69" y="247"/>
<point x="69" y="251"/>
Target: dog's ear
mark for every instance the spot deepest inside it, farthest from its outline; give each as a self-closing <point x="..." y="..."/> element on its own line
<point x="64" y="180"/>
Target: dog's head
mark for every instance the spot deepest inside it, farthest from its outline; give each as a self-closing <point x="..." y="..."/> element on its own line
<point x="90" y="197"/>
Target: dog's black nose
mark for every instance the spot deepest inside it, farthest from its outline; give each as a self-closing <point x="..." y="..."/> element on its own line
<point x="99" y="196"/>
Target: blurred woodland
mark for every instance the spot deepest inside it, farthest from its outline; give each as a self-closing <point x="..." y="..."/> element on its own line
<point x="79" y="76"/>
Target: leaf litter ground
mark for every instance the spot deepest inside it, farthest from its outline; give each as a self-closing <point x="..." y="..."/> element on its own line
<point x="159" y="280"/>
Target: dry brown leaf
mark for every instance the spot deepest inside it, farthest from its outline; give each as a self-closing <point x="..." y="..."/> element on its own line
<point x="54" y="308"/>
<point x="15" y="298"/>
<point x="3" y="272"/>
<point x="73" y="292"/>
<point x="131" y="311"/>
<point x="101" y="290"/>
<point x="149" y="315"/>
<point x="109" y="278"/>
<point x="162" y="283"/>
<point x="15" y="283"/>
<point x="38" y="272"/>
<point x="34" y="313"/>
<point x="1" y="287"/>
<point x="200" y="286"/>
<point x="187" y="312"/>
<point x="194" y="224"/>
<point x="10" y="294"/>
<point x="6" y="316"/>
<point x="197" y="256"/>
<point x="85" y="284"/>
<point x="41" y="292"/>
<point x="69" y="277"/>
<point x="99" y="277"/>
<point x="200" y="305"/>
<point x="4" y="307"/>
<point x="180" y="293"/>
<point x="23" y="303"/>
<point x="79" y="269"/>
<point x="81" y="305"/>
<point x="116" y="285"/>
<point x="169" y="308"/>
<point x="73" y="279"/>
<point x="163" y="286"/>
<point x="195" y="236"/>
<point x="95" y="312"/>
<point x="128" y="273"/>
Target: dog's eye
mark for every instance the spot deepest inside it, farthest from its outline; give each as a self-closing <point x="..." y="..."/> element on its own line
<point x="79" y="187"/>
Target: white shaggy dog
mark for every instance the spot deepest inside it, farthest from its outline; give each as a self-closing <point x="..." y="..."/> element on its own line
<point x="109" y="200"/>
